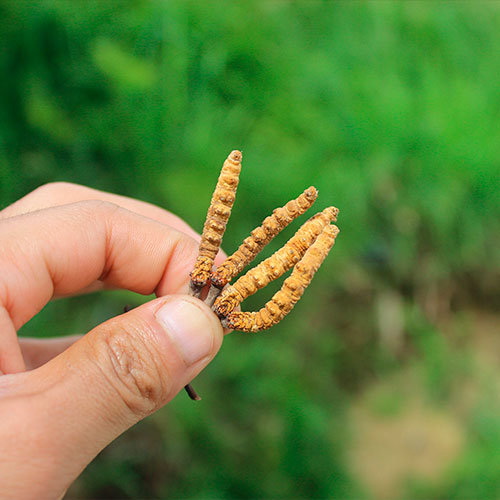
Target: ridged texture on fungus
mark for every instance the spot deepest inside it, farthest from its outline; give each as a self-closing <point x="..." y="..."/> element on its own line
<point x="261" y="236"/>
<point x="291" y="291"/>
<point x="217" y="217"/>
<point x="276" y="265"/>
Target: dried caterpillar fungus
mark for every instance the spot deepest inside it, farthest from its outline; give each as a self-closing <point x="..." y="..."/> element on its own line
<point x="261" y="236"/>
<point x="305" y="252"/>
<point x="276" y="265"/>
<point x="293" y="287"/>
<point x="215" y="223"/>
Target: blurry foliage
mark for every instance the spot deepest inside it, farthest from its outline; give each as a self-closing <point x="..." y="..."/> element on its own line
<point x="389" y="109"/>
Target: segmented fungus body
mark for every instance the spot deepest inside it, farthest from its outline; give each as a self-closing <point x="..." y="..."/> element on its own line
<point x="306" y="250"/>
<point x="261" y="236"/>
<point x="291" y="291"/>
<point x="215" y="223"/>
<point x="276" y="265"/>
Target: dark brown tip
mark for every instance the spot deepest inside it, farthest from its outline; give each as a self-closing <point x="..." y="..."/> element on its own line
<point x="192" y="393"/>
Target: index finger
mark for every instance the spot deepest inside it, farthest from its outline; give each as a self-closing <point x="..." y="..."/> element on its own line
<point x="62" y="193"/>
<point x="64" y="249"/>
<point x="55" y="194"/>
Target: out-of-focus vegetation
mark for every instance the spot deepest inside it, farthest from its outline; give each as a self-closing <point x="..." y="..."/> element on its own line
<point x="384" y="381"/>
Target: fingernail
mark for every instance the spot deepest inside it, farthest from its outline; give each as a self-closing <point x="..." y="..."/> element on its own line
<point x="188" y="327"/>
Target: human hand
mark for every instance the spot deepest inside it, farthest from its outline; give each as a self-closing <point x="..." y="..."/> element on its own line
<point x="63" y="400"/>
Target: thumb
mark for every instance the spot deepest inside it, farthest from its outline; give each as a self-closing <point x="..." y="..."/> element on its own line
<point x="120" y="372"/>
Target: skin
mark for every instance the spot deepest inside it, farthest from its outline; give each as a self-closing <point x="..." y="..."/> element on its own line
<point x="63" y="400"/>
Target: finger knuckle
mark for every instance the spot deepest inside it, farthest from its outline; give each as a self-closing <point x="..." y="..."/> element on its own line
<point x="101" y="211"/>
<point x="134" y="368"/>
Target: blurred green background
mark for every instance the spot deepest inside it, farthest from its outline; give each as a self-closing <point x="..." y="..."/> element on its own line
<point x="384" y="381"/>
